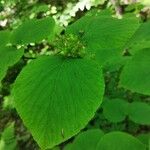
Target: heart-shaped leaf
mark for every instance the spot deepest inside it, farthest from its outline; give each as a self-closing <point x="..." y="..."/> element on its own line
<point x="57" y="96"/>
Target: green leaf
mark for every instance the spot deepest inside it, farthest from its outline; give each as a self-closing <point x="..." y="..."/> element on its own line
<point x="115" y="109"/>
<point x="135" y="76"/>
<point x="105" y="36"/>
<point x="87" y="140"/>
<point x="4" y="37"/>
<point x="139" y="113"/>
<point x="8" y="141"/>
<point x="32" y="31"/>
<point x="119" y="141"/>
<point x="8" y="57"/>
<point x="140" y="39"/>
<point x="57" y="96"/>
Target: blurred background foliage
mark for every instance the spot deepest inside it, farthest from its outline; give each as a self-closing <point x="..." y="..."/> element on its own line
<point x="63" y="11"/>
<point x="12" y="13"/>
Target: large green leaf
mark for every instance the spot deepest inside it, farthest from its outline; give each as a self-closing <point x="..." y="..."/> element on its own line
<point x="4" y="37"/>
<point x="119" y="141"/>
<point x="115" y="110"/>
<point x="136" y="73"/>
<point x="34" y="30"/>
<point x="104" y="35"/>
<point x="87" y="140"/>
<point x="8" y="57"/>
<point x="57" y="96"/>
<point x="139" y="112"/>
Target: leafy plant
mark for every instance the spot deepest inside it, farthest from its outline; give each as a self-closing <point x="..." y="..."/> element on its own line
<point x="58" y="94"/>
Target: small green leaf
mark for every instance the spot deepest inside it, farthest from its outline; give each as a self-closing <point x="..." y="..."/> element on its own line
<point x="136" y="73"/>
<point x="139" y="113"/>
<point x="119" y="141"/>
<point x="115" y="109"/>
<point x="32" y="31"/>
<point x="87" y="140"/>
<point x="57" y="96"/>
<point x="8" y="57"/>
